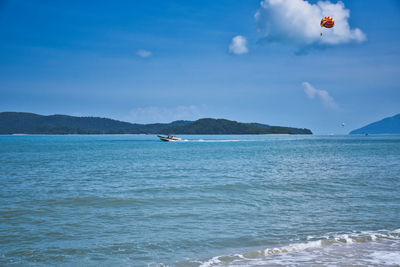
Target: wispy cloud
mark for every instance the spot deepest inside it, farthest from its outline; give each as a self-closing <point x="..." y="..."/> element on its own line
<point x="322" y="95"/>
<point x="298" y="21"/>
<point x="153" y="114"/>
<point x="238" y="45"/>
<point x="144" y="53"/>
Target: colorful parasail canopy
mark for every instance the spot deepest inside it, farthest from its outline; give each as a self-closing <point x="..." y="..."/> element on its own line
<point x="327" y="22"/>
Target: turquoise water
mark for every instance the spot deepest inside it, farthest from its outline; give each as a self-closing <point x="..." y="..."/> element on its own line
<point x="265" y="200"/>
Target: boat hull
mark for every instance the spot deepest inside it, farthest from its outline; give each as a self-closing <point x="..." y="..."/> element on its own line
<point x="168" y="138"/>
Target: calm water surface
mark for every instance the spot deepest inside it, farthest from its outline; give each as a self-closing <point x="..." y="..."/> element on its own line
<point x="265" y="200"/>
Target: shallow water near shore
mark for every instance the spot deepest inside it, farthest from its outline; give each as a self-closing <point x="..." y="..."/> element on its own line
<point x="237" y="200"/>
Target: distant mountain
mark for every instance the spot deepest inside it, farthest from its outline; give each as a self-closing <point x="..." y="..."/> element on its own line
<point x="29" y="123"/>
<point x="222" y="126"/>
<point x="390" y="125"/>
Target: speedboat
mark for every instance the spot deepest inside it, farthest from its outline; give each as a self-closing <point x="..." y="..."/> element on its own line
<point x="168" y="138"/>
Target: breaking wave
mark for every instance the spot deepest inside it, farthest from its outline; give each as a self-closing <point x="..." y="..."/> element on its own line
<point x="361" y="248"/>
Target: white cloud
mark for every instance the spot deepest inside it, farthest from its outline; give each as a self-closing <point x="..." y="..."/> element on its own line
<point x="322" y="95"/>
<point x="144" y="53"/>
<point x="299" y="21"/>
<point x="154" y="114"/>
<point x="238" y="45"/>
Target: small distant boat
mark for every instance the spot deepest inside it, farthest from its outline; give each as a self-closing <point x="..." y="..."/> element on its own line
<point x="168" y="138"/>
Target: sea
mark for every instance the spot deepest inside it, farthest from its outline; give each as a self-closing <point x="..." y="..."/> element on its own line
<point x="207" y="200"/>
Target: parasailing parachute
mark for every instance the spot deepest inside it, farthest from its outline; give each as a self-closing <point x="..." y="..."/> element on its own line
<point x="327" y="22"/>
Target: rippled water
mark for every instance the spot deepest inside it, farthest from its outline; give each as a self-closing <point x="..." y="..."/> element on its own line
<point x="263" y="200"/>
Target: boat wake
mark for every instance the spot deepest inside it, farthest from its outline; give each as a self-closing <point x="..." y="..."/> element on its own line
<point x="215" y="140"/>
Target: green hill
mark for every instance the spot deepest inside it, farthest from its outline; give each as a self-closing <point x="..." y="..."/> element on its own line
<point x="29" y="123"/>
<point x="222" y="126"/>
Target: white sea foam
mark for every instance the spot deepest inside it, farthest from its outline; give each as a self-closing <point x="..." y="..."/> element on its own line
<point x="155" y="264"/>
<point x="385" y="258"/>
<point x="293" y="247"/>
<point x="360" y="248"/>
<point x="211" y="262"/>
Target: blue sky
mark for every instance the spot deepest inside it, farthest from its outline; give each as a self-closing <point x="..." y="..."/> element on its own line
<point x="159" y="61"/>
